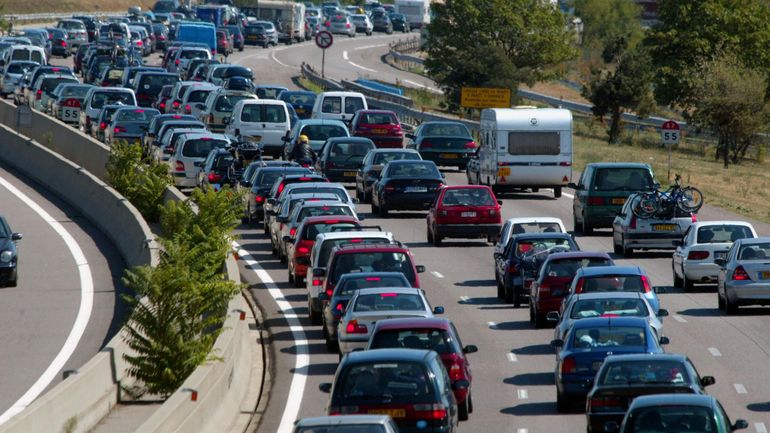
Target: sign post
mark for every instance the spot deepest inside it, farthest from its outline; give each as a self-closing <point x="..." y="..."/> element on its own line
<point x="669" y="135"/>
<point x="323" y="40"/>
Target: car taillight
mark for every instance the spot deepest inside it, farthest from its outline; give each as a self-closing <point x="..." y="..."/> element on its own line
<point x="63" y="43"/>
<point x="353" y="327"/>
<point x="280" y="188"/>
<point x="176" y="104"/>
<point x="118" y="129"/>
<point x="347" y="25"/>
<point x="187" y="109"/>
<point x="579" y="285"/>
<point x="595" y="201"/>
<point x="339" y="307"/>
<point x="214" y="178"/>
<point x="162" y="105"/>
<point x="259" y="199"/>
<point x="161" y="38"/>
<point x="176" y="62"/>
<point x="211" y="118"/>
<point x="430" y="411"/>
<point x="103" y="125"/>
<point x="390" y="188"/>
<point x="318" y="282"/>
<point x="426" y="144"/>
<point x="105" y="83"/>
<point x="329" y="292"/>
<point x="646" y="286"/>
<point x="544" y="289"/>
<point x="632" y="224"/>
<point x="292" y="232"/>
<point x="698" y="255"/>
<point x="565" y="164"/>
<point x="470" y="145"/>
<point x="303" y="250"/>
<point x="568" y="365"/>
<point x="512" y="268"/>
<point x="179" y="166"/>
<point x="693" y="218"/>
<point x="606" y="404"/>
<point x="328" y="23"/>
<point x="39" y="94"/>
<point x="455" y="371"/>
<point x="139" y="43"/>
<point x="740" y="274"/>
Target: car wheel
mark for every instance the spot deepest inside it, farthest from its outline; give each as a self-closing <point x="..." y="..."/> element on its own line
<point x="15" y="280"/>
<point x="470" y="402"/>
<point x="266" y="227"/>
<point x="374" y="206"/>
<point x="437" y="239"/>
<point x="575" y="225"/>
<point x="540" y="321"/>
<point x="586" y="227"/>
<point x="687" y="284"/>
<point x="273" y="249"/>
<point x="517" y="297"/>
<point x="500" y="291"/>
<point x="331" y="345"/>
<point x="531" y="314"/>
<point x="562" y="405"/>
<point x="617" y="249"/>
<point x="508" y="294"/>
<point x="299" y="282"/>
<point x="240" y="49"/>
<point x="462" y="411"/>
<point x="731" y="308"/>
<point x="428" y="235"/>
<point x="282" y="256"/>
<point x="382" y="210"/>
<point x="291" y="276"/>
<point x="315" y="316"/>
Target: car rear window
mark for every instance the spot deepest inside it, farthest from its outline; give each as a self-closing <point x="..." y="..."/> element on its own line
<point x="534" y="143"/>
<point x="568" y="267"/>
<point x="544" y="227"/>
<point x="313" y="230"/>
<point x="329" y="244"/>
<point x="49" y="84"/>
<point x="353" y="104"/>
<point x="388" y="302"/>
<point x="198" y="96"/>
<point x="628" y="336"/>
<point x="339" y="192"/>
<point x="379" y="119"/>
<point x="328" y="210"/>
<point x="394" y="381"/>
<point x="754" y="252"/>
<point x="372" y="262"/>
<point x="136" y="115"/>
<point x="413" y="170"/>
<point x="655" y="419"/>
<point x="299" y="99"/>
<point x="223" y="162"/>
<point x="622" y="179"/>
<point x="613" y="283"/>
<point x="268" y="92"/>
<point x="226" y="103"/>
<point x="382" y="158"/>
<point x="530" y="246"/>
<point x="645" y="372"/>
<point x="348" y="286"/>
<point x="437" y="340"/>
<point x="19" y="68"/>
<point x="200" y="147"/>
<point x="585" y="308"/>
<point x="468" y="197"/>
<point x="268" y="177"/>
<point x="349" y="152"/>
<point x="723" y="234"/>
<point x="323" y="132"/>
<point x="153" y="83"/>
<point x="101" y="99"/>
<point x="194" y="54"/>
<point x="75" y="91"/>
<point x="268" y="113"/>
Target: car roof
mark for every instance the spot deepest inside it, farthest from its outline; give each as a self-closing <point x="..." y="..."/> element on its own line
<point x="752" y="241"/>
<point x="608" y="295"/>
<point x="400" y="290"/>
<point x="539" y="219"/>
<point x="618" y="165"/>
<point x="700" y="224"/>
<point x="369" y="274"/>
<point x="342" y="420"/>
<point x="353" y="248"/>
<point x="354" y="234"/>
<point x="322" y="218"/>
<point x="579" y="254"/>
<point x="528" y="236"/>
<point x="387" y="355"/>
<point x="349" y="140"/>
<point x="647" y="357"/>
<point x="704" y="400"/>
<point x="316" y="185"/>
<point x="611" y="270"/>
<point x="198" y="134"/>
<point x="592" y="322"/>
<point x="297" y="176"/>
<point x="372" y="111"/>
<point x="393" y="150"/>
<point x="414" y="322"/>
<point x="304" y="122"/>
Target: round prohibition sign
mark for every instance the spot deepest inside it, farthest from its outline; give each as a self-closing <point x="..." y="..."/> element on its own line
<point x="324" y="39"/>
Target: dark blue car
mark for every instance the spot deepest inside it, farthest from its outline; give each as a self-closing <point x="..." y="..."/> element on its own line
<point x="302" y="102"/>
<point x="588" y="343"/>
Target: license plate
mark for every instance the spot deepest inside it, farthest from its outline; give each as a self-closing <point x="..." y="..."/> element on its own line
<point x="350" y="174"/>
<point x="596" y="364"/>
<point x="394" y="413"/>
<point x="765" y="275"/>
<point x="300" y="110"/>
<point x="70" y="114"/>
<point x="664" y="227"/>
<point x="618" y="201"/>
<point x="449" y="156"/>
<point x="416" y="189"/>
<point x="379" y="131"/>
<point x="468" y="214"/>
<point x="504" y="171"/>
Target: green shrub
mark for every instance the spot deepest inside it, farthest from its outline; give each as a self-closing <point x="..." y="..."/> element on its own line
<point x="142" y="184"/>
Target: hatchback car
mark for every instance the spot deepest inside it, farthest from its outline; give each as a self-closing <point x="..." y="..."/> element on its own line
<point x="466" y="211"/>
<point x="340" y="158"/>
<point x="12" y="75"/>
<point x="372" y="165"/>
<point x="323" y="204"/>
<point x="380" y="126"/>
<point x="130" y="124"/>
<point x="629" y="278"/>
<point x="9" y="257"/>
<point x="302" y="101"/>
<point x="622" y="378"/>
<point x="381" y="22"/>
<point x="693" y="259"/>
<point x="341" y="25"/>
<point x="279" y="188"/>
<point x="362" y="23"/>
<point x="588" y="343"/>
<point x="317" y="131"/>
<point x="261" y="183"/>
<point x="191" y="152"/>
<point x="439" y="335"/>
<point x="219" y="105"/>
<point x="602" y="191"/>
<point x="519" y="225"/>
<point x="412" y="386"/>
<point x="256" y="35"/>
<point x="406" y="185"/>
<point x="67" y="101"/>
<point x="445" y="143"/>
<point x="658" y="232"/>
<point x="744" y="275"/>
<point x="400" y="23"/>
<point x="217" y="170"/>
<point x="346" y="423"/>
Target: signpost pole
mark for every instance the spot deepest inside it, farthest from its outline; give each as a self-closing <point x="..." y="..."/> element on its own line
<point x="323" y="63"/>
<point x="668" y="176"/>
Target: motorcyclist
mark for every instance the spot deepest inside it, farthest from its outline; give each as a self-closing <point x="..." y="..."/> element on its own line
<point x="302" y="150"/>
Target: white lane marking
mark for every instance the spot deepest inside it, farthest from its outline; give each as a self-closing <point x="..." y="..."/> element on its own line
<point x="740" y="389"/>
<point x="678" y="318"/>
<point x="714" y="351"/>
<point x="272" y="55"/>
<point x="362" y="67"/>
<point x="345" y="55"/>
<point x="437" y="274"/>
<point x="464" y="299"/>
<point x="522" y="394"/>
<point x="568" y="195"/>
<point x="492" y="325"/>
<point x="522" y="430"/>
<point x="366" y="47"/>
<point x="81" y="320"/>
<point x="302" y="359"/>
<point x="512" y="357"/>
<point x="415" y="83"/>
<point x="760" y="427"/>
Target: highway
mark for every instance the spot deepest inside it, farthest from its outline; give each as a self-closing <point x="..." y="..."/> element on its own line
<point x="513" y="387"/>
<point x="65" y="307"/>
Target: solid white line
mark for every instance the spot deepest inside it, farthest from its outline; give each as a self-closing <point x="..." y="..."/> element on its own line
<point x="362" y="67"/>
<point x="714" y="351"/>
<point x="414" y="83"/>
<point x="492" y="325"/>
<point x="366" y="47"/>
<point x="437" y="274"/>
<point x="512" y="357"/>
<point x="81" y="320"/>
<point x="760" y="427"/>
<point x="345" y="55"/>
<point x="272" y="55"/>
<point x="302" y="359"/>
<point x="522" y="430"/>
<point x="740" y="389"/>
<point x="568" y="195"/>
<point x="678" y="318"/>
<point x="464" y="299"/>
<point x="522" y="394"/>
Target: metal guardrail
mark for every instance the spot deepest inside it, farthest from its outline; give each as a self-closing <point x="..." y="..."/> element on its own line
<point x="18" y="18"/>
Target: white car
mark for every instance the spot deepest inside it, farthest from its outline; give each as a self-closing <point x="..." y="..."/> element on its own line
<point x="693" y="259"/>
<point x="659" y="232"/>
<point x="189" y="155"/>
<point x="515" y="226"/>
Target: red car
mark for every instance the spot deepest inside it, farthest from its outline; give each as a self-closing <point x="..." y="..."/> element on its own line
<point x="436" y="334"/>
<point x="464" y="211"/>
<point x="380" y="126"/>
<point x="553" y="281"/>
<point x="304" y="239"/>
<point x="224" y="42"/>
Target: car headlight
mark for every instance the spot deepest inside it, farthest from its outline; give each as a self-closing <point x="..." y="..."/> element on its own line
<point x="6" y="256"/>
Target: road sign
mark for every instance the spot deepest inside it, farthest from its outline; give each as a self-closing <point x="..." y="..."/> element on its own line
<point x="324" y="39"/>
<point x="484" y="97"/>
<point x="670" y="132"/>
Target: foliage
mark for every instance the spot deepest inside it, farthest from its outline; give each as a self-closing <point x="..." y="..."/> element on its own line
<point x="606" y="21"/>
<point x="142" y="184"/>
<point x="495" y="43"/>
<point x="729" y="98"/>
<point x="693" y="31"/>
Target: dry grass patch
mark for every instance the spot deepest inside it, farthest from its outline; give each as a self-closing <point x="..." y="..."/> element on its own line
<point x="61" y="6"/>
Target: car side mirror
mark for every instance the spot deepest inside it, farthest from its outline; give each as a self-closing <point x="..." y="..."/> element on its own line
<point x="740" y="424"/>
<point x="572" y="185"/>
<point x="438" y="310"/>
<point x="720" y="262"/>
<point x="659" y="289"/>
<point x="552" y="316"/>
<point x="286" y="238"/>
<point x="356" y="201"/>
<point x="325" y="387"/>
<point x="500" y="202"/>
<point x="304" y="261"/>
<point x="664" y="341"/>
<point x="611" y="427"/>
<point x="226" y="120"/>
<point x="707" y="381"/>
<point x="319" y="272"/>
<point x="662" y="312"/>
<point x="460" y="384"/>
<point x="470" y="349"/>
<point x="409" y="135"/>
<point x="420" y="269"/>
<point x="16" y="236"/>
<point x="557" y="343"/>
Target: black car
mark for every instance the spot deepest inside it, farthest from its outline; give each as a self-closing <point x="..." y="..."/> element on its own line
<point x="156" y="123"/>
<point x="238" y="83"/>
<point x="9" y="258"/>
<point x="406" y="185"/>
<point x="410" y="385"/>
<point x="261" y="182"/>
<point x="301" y="100"/>
<point x="59" y="42"/>
<point x="341" y="157"/>
<point x="344" y="290"/>
<point x="372" y="165"/>
<point x="445" y="143"/>
<point x="400" y="23"/>
<point x="519" y="255"/>
<point x="381" y="22"/>
<point x="622" y="378"/>
<point x="218" y="170"/>
<point x="256" y="35"/>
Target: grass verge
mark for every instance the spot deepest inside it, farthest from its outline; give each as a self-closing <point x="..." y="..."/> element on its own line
<point x="61" y="6"/>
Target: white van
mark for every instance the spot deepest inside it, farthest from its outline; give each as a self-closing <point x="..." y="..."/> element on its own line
<point x="188" y="156"/>
<point x="338" y="105"/>
<point x="266" y="118"/>
<point x="23" y="52"/>
<point x="525" y="148"/>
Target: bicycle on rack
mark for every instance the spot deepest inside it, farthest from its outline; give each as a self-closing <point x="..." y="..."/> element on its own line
<point x="687" y="199"/>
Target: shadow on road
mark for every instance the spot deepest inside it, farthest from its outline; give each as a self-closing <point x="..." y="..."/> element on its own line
<point x="489" y="300"/>
<point x="700" y="312"/>
<point x="530" y="409"/>
<point x="513" y="326"/>
<point x="476" y="283"/>
<point x="531" y="379"/>
<point x="312" y="348"/>
<point x="759" y="407"/>
<point x="323" y="369"/>
<point x="535" y="349"/>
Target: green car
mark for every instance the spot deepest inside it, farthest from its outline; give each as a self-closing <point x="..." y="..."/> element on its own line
<point x="602" y="190"/>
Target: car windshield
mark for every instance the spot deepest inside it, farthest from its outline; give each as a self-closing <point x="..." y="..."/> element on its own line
<point x="382" y="158"/>
<point x="20" y="68"/>
<point x="323" y="132"/>
<point x="348" y="285"/>
<point x="413" y="170"/>
<point x="222" y="162"/>
<point x="339" y="192"/>
<point x="134" y="115"/>
<point x="225" y="103"/>
<point x="200" y="147"/>
<point x="267" y="178"/>
<point x="353" y="428"/>
<point x="103" y="98"/>
<point x="664" y="419"/>
<point x="622" y="179"/>
<point x="446" y="130"/>
<point x="194" y="54"/>
<point x="609" y="336"/>
<point x="268" y="92"/>
<point x="390" y="381"/>
<point x="49" y="84"/>
<point x="612" y="283"/>
<point x="759" y="251"/>
<point x="198" y="96"/>
<point x="723" y="234"/>
<point x="313" y="230"/>
<point x="566" y="268"/>
<point x="585" y="308"/>
<point x="437" y="340"/>
<point x="388" y="302"/>
<point x="379" y="119"/>
<point x="550" y="227"/>
<point x="373" y="262"/>
<point x="532" y="246"/>
<point x="645" y="372"/>
<point x="468" y="197"/>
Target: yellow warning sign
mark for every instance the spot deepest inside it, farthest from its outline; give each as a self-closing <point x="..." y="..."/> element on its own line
<point x="485" y="97"/>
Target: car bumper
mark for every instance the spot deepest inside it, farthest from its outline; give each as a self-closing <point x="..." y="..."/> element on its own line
<point x="467" y="230"/>
<point x="273" y="149"/>
<point x="386" y="142"/>
<point x="701" y="272"/>
<point x="7" y="272"/>
<point x="651" y="240"/>
<point x="602" y="216"/>
<point x="348" y="344"/>
<point x="750" y="291"/>
<point x="545" y="306"/>
<point x="445" y="159"/>
<point x="300" y="270"/>
<point x="340" y="175"/>
<point x="409" y="201"/>
<point x="181" y="180"/>
<point x="596" y="421"/>
<point x="574" y="387"/>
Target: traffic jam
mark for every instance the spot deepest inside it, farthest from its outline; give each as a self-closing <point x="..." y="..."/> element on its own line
<point x="307" y="164"/>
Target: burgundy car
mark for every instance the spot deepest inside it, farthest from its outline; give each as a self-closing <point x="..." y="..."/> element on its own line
<point x="464" y="211"/>
<point x="553" y="281"/>
<point x="380" y="126"/>
<point x="437" y="334"/>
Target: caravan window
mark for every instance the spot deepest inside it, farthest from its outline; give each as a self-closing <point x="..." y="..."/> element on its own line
<point x="533" y="143"/>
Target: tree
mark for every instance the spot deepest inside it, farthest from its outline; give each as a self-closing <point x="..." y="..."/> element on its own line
<point x="693" y="31"/>
<point x="606" y="21"/>
<point x="627" y="87"/>
<point x="495" y="43"/>
<point x="730" y="100"/>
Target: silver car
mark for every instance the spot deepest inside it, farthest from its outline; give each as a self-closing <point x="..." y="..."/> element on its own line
<point x="585" y="305"/>
<point x="370" y="305"/>
<point x="363" y="24"/>
<point x="347" y="423"/>
<point x="76" y="30"/>
<point x="309" y="208"/>
<point x="12" y="75"/>
<point x="744" y="275"/>
<point x="341" y="25"/>
<point x="280" y="216"/>
<point x="661" y="232"/>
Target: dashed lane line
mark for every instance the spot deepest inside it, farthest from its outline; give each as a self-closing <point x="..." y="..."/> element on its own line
<point x="760" y="427"/>
<point x="492" y="325"/>
<point x="362" y="67"/>
<point x="465" y="300"/>
<point x="437" y="274"/>
<point x="714" y="351"/>
<point x="512" y="357"/>
<point x="523" y="394"/>
<point x="740" y="389"/>
<point x="678" y="318"/>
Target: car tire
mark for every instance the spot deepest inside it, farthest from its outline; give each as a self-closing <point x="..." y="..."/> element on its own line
<point x="731" y="308"/>
<point x="266" y="228"/>
<point x="273" y="249"/>
<point x="687" y="284"/>
<point x="282" y="257"/>
<point x="540" y="321"/>
<point x="516" y="297"/>
<point x="562" y="404"/>
<point x="617" y="249"/>
<point x="437" y="240"/>
<point x="382" y="210"/>
<point x="678" y="283"/>
<point x="586" y="228"/>
<point x="14" y="281"/>
<point x="331" y="345"/>
<point x="557" y="192"/>
<point x="299" y="282"/>
<point x="315" y="316"/>
<point x="720" y="301"/>
<point x="500" y="291"/>
<point x="428" y="235"/>
<point x="462" y="411"/>
<point x="240" y="49"/>
<point x="508" y="294"/>
<point x="531" y="314"/>
<point x="291" y="276"/>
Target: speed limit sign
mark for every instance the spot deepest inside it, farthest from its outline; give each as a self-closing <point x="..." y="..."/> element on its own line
<point x="670" y="132"/>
